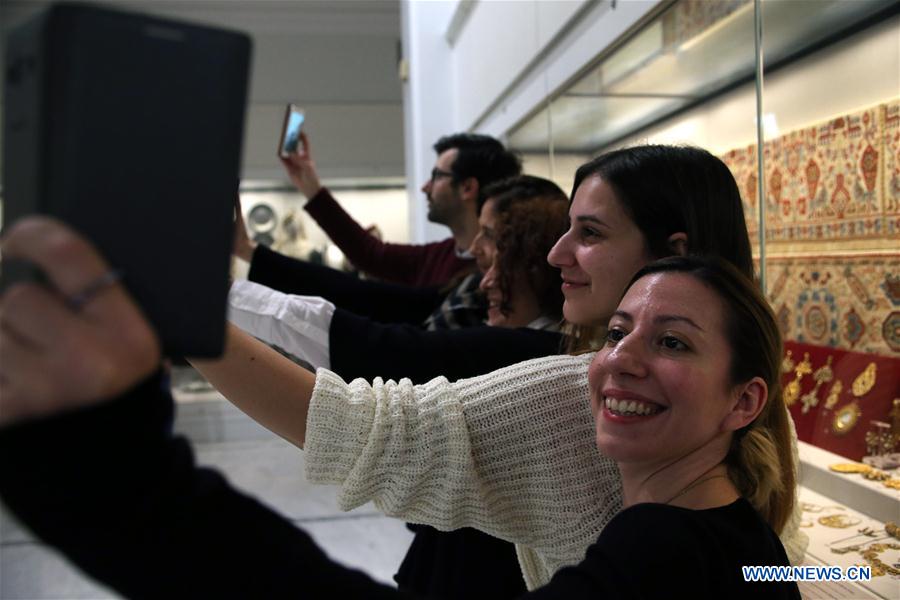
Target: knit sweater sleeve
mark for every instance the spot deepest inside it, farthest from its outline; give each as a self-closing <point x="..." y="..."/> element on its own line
<point x="511" y="453"/>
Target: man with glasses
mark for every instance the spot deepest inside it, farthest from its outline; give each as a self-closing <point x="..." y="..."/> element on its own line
<point x="465" y="165"/>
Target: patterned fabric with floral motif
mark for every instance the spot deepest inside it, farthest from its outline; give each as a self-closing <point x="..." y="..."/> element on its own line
<point x="852" y="303"/>
<point x="832" y="228"/>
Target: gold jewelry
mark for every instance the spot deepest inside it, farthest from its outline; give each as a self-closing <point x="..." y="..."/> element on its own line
<point x="846" y="418"/>
<point x="865" y="381"/>
<point x="850" y="468"/>
<point x="787" y="364"/>
<point x="823" y="374"/>
<point x="856" y="547"/>
<point x="839" y="521"/>
<point x="893" y="483"/>
<point x="834" y="394"/>
<point x="810" y="507"/>
<point x="804" y="368"/>
<point x="791" y="392"/>
<point x="792" y="389"/>
<point x="876" y="475"/>
<point x="879" y="568"/>
<point x="892" y="530"/>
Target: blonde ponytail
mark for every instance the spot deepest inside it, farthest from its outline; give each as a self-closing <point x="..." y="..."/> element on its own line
<point x="761" y="466"/>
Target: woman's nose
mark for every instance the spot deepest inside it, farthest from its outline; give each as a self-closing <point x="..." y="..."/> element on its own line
<point x="561" y="253"/>
<point x="626" y="357"/>
<point x="475" y="247"/>
<point x="489" y="279"/>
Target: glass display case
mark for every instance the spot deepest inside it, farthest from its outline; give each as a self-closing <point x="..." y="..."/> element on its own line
<point x="826" y="108"/>
<point x="822" y="207"/>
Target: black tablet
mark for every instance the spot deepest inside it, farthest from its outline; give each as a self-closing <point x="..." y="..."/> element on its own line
<point x="129" y="128"/>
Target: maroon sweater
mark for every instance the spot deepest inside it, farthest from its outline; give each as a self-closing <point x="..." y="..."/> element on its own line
<point x="418" y="265"/>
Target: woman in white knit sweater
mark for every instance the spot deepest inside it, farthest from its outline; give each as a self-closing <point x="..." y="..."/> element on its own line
<point x="511" y="452"/>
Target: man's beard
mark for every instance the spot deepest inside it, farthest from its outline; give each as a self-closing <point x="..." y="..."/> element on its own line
<point x="436" y="213"/>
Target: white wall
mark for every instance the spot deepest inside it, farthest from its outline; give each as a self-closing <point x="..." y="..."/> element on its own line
<point x="504" y="61"/>
<point x="429" y="111"/>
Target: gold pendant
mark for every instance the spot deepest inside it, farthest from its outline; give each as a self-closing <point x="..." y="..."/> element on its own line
<point x="792" y="389"/>
<point x="865" y="381"/>
<point x="787" y="364"/>
<point x="804" y="368"/>
<point x="809" y="400"/>
<point x="791" y="392"/>
<point x="823" y="374"/>
<point x="846" y="418"/>
<point x="834" y="394"/>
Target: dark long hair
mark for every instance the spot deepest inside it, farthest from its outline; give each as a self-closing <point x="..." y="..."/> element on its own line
<point x="671" y="189"/>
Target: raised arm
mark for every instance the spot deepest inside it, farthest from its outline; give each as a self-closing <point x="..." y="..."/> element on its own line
<point x="386" y="302"/>
<point x="297" y="324"/>
<point x="353" y="346"/>
<point x="271" y="389"/>
<point x="420" y="265"/>
<point x="511" y="453"/>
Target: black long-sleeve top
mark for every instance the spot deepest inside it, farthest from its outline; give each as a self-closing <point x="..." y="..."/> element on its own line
<point x="123" y="499"/>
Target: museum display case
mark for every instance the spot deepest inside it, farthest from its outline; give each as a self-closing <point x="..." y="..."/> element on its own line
<point x="819" y="92"/>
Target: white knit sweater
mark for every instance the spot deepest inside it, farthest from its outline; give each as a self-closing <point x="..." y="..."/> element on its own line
<point x="511" y="453"/>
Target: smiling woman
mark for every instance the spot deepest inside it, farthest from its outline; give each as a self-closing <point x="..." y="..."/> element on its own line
<point x="702" y="524"/>
<point x="666" y="394"/>
<point x="629" y="206"/>
<point x="520" y="286"/>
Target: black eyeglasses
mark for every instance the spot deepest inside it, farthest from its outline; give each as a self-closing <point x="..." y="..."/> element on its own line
<point x="438" y="173"/>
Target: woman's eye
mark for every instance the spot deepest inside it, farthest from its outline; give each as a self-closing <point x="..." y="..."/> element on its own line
<point x="587" y="232"/>
<point x="613" y="336"/>
<point x="673" y="343"/>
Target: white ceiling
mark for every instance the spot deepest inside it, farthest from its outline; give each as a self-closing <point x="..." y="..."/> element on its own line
<point x="335" y="58"/>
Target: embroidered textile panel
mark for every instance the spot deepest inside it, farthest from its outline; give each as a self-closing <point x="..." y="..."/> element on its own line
<point x="834" y="182"/>
<point x="832" y="229"/>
